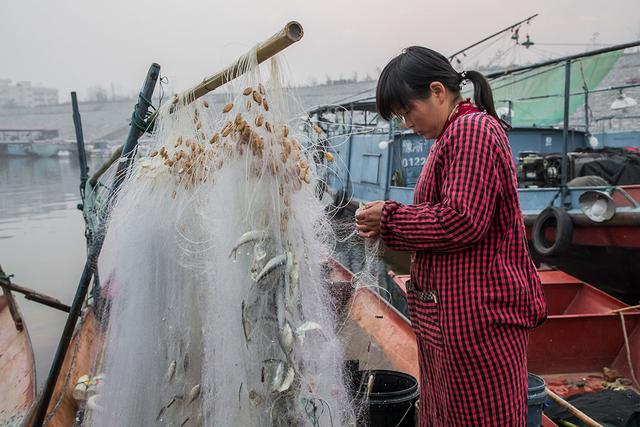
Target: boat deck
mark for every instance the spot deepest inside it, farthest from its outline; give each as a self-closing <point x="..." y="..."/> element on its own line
<point x="582" y="346"/>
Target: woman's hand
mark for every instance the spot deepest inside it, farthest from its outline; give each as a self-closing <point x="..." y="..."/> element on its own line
<point x="368" y="219"/>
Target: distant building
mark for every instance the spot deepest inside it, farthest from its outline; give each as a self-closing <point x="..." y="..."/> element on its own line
<point x="24" y="94"/>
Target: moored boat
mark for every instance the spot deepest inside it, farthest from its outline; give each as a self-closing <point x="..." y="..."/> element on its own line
<point x="17" y="365"/>
<point x="583" y="346"/>
<point x="29" y="142"/>
<point x="601" y="252"/>
<point x="79" y="361"/>
<point x="44" y="149"/>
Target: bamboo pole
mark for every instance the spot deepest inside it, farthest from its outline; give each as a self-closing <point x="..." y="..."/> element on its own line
<point x="291" y="33"/>
<point x="620" y="310"/>
<point x="36" y="296"/>
<point x="575" y="411"/>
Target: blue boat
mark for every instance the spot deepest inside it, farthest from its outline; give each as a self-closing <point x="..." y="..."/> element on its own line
<point x="587" y="225"/>
<point x="29" y="142"/>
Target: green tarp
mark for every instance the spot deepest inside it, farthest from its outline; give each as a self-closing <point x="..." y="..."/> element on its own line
<point x="543" y="82"/>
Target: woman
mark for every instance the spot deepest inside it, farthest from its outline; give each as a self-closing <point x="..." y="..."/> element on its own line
<point x="474" y="293"/>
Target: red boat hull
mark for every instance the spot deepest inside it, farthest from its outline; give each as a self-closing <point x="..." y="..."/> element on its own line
<point x="623" y="230"/>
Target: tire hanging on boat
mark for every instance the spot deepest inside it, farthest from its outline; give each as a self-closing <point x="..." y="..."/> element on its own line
<point x="552" y="217"/>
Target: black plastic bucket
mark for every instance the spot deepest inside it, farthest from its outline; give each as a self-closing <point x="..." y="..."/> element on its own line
<point x="391" y="401"/>
<point x="535" y="400"/>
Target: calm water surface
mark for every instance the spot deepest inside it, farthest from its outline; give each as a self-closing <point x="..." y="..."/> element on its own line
<point x="42" y="243"/>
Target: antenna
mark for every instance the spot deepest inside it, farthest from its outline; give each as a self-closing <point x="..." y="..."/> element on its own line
<point x="509" y="28"/>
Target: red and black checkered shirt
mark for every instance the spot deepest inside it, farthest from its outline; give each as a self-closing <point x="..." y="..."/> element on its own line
<point x="474" y="292"/>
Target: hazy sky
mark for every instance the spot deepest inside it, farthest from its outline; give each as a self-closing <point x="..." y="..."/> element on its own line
<point x="76" y="44"/>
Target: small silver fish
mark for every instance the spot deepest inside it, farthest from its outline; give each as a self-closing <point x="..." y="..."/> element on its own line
<point x="286" y="339"/>
<point x="185" y="362"/>
<point x="273" y="372"/>
<point x="249" y="236"/>
<point x="287" y="381"/>
<point x="171" y="371"/>
<point x="292" y="283"/>
<point x="194" y="394"/>
<point x="306" y="327"/>
<point x="274" y="264"/>
<point x="167" y="406"/>
<point x="245" y="325"/>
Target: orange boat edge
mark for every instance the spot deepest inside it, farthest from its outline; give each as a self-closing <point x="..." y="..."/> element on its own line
<point x="84" y="350"/>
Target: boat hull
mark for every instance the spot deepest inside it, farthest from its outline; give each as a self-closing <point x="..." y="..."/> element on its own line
<point x="15" y="149"/>
<point x="81" y="359"/>
<point x="44" y="149"/>
<point x="377" y="334"/>
<point x="17" y="368"/>
<point x="611" y="269"/>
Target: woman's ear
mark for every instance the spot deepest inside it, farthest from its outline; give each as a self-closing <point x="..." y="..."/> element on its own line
<point x="438" y="90"/>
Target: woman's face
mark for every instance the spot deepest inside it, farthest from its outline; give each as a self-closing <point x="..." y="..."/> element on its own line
<point x="427" y="116"/>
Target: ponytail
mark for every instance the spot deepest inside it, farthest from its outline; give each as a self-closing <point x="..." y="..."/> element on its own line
<point x="482" y="94"/>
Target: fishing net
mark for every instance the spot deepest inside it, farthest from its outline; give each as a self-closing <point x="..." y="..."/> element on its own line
<point x="219" y="309"/>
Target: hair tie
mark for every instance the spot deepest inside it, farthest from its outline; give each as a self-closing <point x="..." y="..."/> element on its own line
<point x="462" y="77"/>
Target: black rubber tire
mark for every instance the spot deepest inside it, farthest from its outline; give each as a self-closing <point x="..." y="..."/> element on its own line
<point x="588" y="181"/>
<point x="564" y="232"/>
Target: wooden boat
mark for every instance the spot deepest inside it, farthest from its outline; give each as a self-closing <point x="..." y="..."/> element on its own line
<point x="18" y="400"/>
<point x="575" y="350"/>
<point x="583" y="335"/>
<point x="80" y="360"/>
<point x="376" y="333"/>
<point x="17" y="365"/>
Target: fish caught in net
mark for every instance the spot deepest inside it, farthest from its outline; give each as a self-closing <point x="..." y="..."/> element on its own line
<point x="219" y="311"/>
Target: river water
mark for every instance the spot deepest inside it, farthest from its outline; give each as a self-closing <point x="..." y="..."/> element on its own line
<point x="42" y="243"/>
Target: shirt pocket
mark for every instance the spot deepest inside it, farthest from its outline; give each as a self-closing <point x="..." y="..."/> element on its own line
<point x="424" y="314"/>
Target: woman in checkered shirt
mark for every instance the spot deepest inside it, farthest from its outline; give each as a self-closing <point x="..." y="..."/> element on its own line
<point x="474" y="293"/>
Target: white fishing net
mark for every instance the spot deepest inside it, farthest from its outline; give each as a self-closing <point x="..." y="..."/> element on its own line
<point x="220" y="313"/>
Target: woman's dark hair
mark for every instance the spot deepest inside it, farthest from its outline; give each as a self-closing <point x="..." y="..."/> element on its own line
<point x="408" y="77"/>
